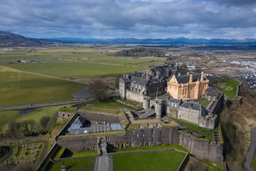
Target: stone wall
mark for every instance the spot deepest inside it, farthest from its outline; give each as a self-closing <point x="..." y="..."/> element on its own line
<point x="78" y="144"/>
<point x="99" y="116"/>
<point x="130" y="95"/>
<point x="202" y="148"/>
<point x="131" y="138"/>
<point x="147" y="137"/>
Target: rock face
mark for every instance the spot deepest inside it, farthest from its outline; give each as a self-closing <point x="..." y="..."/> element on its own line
<point x="148" y="137"/>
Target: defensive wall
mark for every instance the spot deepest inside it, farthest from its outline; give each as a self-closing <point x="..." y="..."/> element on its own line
<point x="200" y="148"/>
<point x="99" y="116"/>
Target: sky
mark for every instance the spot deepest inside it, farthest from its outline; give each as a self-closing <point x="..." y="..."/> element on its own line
<point x="230" y="19"/>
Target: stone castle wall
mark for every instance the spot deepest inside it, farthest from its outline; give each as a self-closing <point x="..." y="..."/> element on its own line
<point x="130" y="95"/>
<point x="202" y="148"/>
<point x="99" y="116"/>
<point x="131" y="138"/>
<point x="147" y="137"/>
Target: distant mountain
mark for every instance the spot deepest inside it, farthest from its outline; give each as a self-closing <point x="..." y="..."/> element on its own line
<point x="180" y="40"/>
<point x="8" y="39"/>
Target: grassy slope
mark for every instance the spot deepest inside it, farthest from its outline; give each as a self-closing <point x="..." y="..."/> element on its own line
<point x="206" y="132"/>
<point x="148" y="161"/>
<point x="74" y="164"/>
<point x="18" y="88"/>
<point x="230" y="93"/>
<point x="36" y="115"/>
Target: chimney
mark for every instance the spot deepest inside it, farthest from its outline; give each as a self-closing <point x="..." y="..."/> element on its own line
<point x="178" y="73"/>
<point x="187" y="73"/>
<point x="202" y="76"/>
<point x="190" y="78"/>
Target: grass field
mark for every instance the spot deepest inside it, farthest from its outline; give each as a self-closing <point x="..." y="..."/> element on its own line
<point x="229" y="87"/>
<point x="103" y="109"/>
<point x="19" y="88"/>
<point x="37" y="114"/>
<point x="148" y="161"/>
<point x="178" y="147"/>
<point x="74" y="164"/>
<point x="70" y="62"/>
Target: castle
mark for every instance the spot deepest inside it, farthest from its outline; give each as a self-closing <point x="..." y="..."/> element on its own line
<point x="165" y="92"/>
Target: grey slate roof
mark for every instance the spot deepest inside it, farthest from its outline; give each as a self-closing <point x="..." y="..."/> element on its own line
<point x="78" y="123"/>
<point x="185" y="78"/>
<point x="171" y="100"/>
<point x="139" y="80"/>
<point x="194" y="106"/>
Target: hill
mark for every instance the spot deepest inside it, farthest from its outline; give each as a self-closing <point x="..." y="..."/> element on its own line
<point x="8" y="39"/>
<point x="139" y="52"/>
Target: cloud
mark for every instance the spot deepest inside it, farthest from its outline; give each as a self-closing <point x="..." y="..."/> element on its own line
<point x="129" y="18"/>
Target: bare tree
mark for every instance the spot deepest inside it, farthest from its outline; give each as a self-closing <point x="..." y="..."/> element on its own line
<point x="99" y="89"/>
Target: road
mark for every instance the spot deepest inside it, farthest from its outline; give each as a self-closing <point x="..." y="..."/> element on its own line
<point x="10" y="151"/>
<point x="4" y="108"/>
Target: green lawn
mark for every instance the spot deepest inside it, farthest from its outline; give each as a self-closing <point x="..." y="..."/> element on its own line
<point x="204" y="102"/>
<point x="178" y="147"/>
<point x="19" y="88"/>
<point x="109" y="103"/>
<point x="206" y="132"/>
<point x="77" y="164"/>
<point x="148" y="161"/>
<point x="5" y="116"/>
<point x="229" y="87"/>
<point x="103" y="109"/>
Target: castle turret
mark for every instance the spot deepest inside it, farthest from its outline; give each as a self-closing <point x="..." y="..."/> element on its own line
<point x="146" y="103"/>
<point x="159" y="109"/>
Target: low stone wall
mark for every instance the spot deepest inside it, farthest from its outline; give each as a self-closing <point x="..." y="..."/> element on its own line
<point x="202" y="148"/>
<point x="99" y="116"/>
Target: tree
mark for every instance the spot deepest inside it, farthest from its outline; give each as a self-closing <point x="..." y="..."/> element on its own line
<point x="14" y="129"/>
<point x="44" y="121"/>
<point x="99" y="90"/>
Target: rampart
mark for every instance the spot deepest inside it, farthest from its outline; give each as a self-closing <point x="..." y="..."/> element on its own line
<point x="202" y="148"/>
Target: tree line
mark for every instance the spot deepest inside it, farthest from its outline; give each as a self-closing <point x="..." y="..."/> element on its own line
<point x="28" y="128"/>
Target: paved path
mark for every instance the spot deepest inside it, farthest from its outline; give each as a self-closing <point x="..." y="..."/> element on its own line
<point x="4" y="108"/>
<point x="10" y="151"/>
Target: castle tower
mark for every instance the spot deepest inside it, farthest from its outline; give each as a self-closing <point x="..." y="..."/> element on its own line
<point x="159" y="109"/>
<point x="146" y="103"/>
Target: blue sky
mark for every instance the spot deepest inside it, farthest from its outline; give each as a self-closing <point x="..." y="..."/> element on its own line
<point x="130" y="18"/>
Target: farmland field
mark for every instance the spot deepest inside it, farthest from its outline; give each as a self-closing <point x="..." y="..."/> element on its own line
<point x="148" y="161"/>
<point x="70" y="62"/>
<point x="19" y="88"/>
